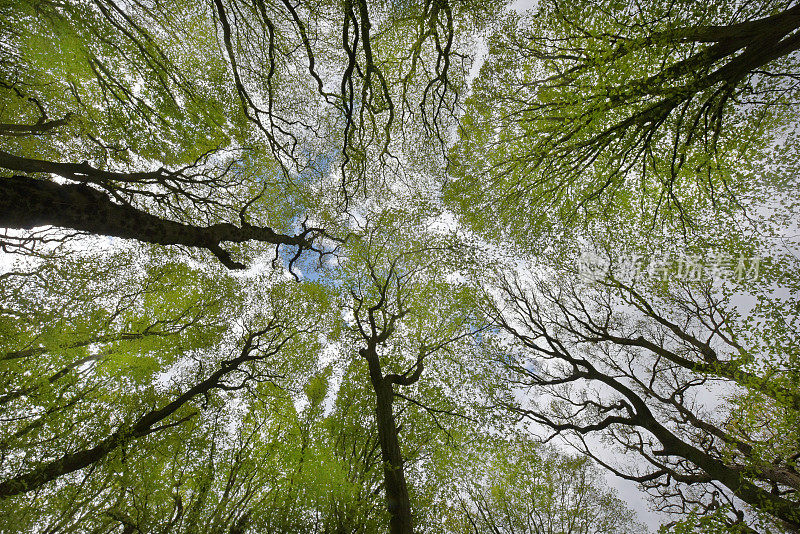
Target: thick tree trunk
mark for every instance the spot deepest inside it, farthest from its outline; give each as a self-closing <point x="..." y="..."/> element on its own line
<point x="396" y="488"/>
<point x="27" y="202"/>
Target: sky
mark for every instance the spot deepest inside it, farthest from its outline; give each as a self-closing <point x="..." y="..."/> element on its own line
<point x="628" y="491"/>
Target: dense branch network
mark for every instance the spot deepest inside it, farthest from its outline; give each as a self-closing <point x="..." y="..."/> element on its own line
<point x="379" y="305"/>
<point x="644" y="377"/>
<point x="599" y="103"/>
<point x="260" y="345"/>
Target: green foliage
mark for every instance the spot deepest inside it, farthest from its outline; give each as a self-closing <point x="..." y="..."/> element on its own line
<point x="519" y="486"/>
<point x="622" y="129"/>
<point x="717" y="522"/>
<point x="132" y="94"/>
<point x="588" y="112"/>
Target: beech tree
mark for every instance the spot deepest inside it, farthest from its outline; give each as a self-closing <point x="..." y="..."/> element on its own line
<point x="286" y="266"/>
<point x="652" y="133"/>
<point x="79" y="411"/>
<point x="404" y="316"/>
<point x="139" y="149"/>
<point x="586" y="109"/>
<point x="675" y="376"/>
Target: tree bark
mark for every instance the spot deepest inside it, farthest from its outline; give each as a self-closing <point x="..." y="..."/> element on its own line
<point x="28" y="202"/>
<point x="396" y="488"/>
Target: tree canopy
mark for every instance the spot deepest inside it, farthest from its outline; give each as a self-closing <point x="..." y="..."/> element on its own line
<point x="392" y="266"/>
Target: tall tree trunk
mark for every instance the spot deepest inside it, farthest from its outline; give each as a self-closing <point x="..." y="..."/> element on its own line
<point x="28" y="202"/>
<point x="396" y="489"/>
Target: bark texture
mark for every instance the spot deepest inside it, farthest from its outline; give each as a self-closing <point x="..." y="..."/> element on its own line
<point x="397" y="500"/>
<point x="26" y="203"/>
